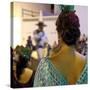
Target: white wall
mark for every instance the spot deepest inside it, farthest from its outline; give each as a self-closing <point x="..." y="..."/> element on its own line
<point x="28" y="28"/>
<point x="82" y="12"/>
<point x="16" y="31"/>
<point x="50" y="31"/>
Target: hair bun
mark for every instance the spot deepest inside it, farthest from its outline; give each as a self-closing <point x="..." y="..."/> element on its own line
<point x="71" y="35"/>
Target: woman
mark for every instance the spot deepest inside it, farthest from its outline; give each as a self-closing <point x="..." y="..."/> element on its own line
<point x="29" y="43"/>
<point x="24" y="76"/>
<point x="65" y="66"/>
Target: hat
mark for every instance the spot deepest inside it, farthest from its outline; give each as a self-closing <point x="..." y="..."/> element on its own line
<point x="41" y="24"/>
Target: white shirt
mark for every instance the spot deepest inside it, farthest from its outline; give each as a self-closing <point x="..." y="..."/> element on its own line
<point x="42" y="37"/>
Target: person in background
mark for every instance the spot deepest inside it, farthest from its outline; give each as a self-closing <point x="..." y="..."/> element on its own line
<point x="82" y="45"/>
<point x="29" y="43"/>
<point x="23" y="75"/>
<point x="65" y="66"/>
<point x="40" y="39"/>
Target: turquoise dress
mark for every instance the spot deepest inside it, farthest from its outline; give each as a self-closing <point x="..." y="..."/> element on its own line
<point x="48" y="75"/>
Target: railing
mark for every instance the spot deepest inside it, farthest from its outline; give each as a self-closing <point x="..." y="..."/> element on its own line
<point x="30" y="13"/>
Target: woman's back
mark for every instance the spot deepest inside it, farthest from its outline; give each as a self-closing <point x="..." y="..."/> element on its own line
<point x="49" y="75"/>
<point x="65" y="67"/>
<point x="70" y="66"/>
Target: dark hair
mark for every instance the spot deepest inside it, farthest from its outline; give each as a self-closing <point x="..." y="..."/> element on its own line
<point x="21" y="64"/>
<point x="68" y="27"/>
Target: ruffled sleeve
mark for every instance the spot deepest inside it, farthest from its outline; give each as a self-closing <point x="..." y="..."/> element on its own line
<point x="84" y="76"/>
<point x="42" y="74"/>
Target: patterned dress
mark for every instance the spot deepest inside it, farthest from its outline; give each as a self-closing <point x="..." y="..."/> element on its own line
<point x="48" y="75"/>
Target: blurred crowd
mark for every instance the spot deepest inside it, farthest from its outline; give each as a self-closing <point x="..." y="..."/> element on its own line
<point x="82" y="45"/>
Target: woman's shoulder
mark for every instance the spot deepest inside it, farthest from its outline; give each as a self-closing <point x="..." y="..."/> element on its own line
<point x="83" y="78"/>
<point x="26" y="75"/>
<point x="81" y="62"/>
<point x="81" y="58"/>
<point x="28" y="70"/>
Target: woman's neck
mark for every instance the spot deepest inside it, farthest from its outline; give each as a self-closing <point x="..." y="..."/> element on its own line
<point x="63" y="52"/>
